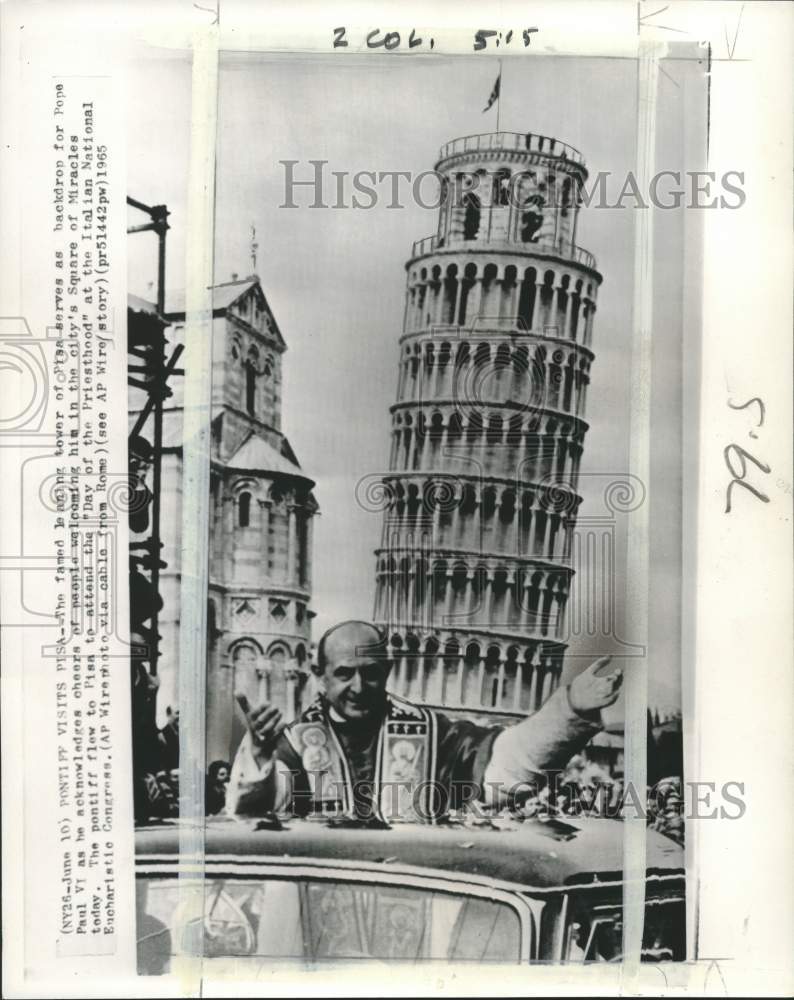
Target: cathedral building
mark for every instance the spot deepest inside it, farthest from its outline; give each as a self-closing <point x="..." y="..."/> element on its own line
<point x="260" y="530"/>
<point x="474" y="568"/>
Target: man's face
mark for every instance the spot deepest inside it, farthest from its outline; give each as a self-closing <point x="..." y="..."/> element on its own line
<point x="355" y="674"/>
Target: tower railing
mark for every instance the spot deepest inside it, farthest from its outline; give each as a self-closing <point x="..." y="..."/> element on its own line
<point x="557" y="248"/>
<point x="525" y="142"/>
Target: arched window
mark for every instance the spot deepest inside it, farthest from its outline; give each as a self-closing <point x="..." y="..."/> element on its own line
<point x="248" y="677"/>
<point x="566" y="196"/>
<point x="471" y="218"/>
<point x="526" y="300"/>
<point x="244" y="510"/>
<point x="277" y="526"/>
<point x="212" y="624"/>
<point x="465" y="287"/>
<point x="490" y="694"/>
<point x="278" y="656"/>
<point x="452" y="679"/>
<point x="302" y="524"/>
<point x="250" y="388"/>
<point x="501" y="190"/>
<point x="531" y="218"/>
<point x="450" y="293"/>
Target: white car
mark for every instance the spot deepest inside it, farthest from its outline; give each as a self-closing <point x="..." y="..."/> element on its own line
<point x="503" y="891"/>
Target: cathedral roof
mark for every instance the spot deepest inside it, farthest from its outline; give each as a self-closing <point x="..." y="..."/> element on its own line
<point x="223" y="295"/>
<point x="257" y="455"/>
<point x="137" y="304"/>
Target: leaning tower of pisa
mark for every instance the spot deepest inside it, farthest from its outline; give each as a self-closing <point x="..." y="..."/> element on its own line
<point x="474" y="567"/>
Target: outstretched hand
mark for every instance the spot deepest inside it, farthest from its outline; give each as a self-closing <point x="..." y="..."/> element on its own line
<point x="264" y="724"/>
<point x="588" y="691"/>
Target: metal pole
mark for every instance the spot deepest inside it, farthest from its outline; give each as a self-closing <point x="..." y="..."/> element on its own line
<point x="161" y="268"/>
<point x="637" y="560"/>
<point x="196" y="483"/>
<point x="154" y="537"/>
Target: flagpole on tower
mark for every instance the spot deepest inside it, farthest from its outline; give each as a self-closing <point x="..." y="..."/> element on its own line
<point x="499" y="97"/>
<point x="495" y="94"/>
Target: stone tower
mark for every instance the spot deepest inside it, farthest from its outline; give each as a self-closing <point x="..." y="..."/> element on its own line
<point x="473" y="573"/>
<point x="260" y="531"/>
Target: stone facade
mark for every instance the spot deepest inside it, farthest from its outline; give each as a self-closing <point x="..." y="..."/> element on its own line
<point x="260" y="531"/>
<point x="474" y="568"/>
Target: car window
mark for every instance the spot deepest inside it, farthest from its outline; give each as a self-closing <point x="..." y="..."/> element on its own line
<point x="595" y="933"/>
<point x="319" y="919"/>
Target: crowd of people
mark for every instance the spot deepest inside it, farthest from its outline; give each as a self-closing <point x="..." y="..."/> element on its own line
<point x="156" y="758"/>
<point x="587" y="789"/>
<point x="582" y="790"/>
<point x="161" y="792"/>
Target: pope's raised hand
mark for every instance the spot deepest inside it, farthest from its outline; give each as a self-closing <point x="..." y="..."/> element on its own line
<point x="265" y="726"/>
<point x="590" y="691"/>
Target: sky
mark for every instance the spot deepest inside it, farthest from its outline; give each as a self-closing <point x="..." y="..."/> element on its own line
<point x="335" y="278"/>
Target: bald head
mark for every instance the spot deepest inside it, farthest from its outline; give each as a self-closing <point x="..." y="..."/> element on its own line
<point x="352" y="659"/>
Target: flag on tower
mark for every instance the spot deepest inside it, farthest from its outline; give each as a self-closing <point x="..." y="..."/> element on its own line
<point x="494" y="93"/>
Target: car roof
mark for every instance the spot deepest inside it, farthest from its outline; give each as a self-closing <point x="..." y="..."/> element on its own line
<point x="532" y="854"/>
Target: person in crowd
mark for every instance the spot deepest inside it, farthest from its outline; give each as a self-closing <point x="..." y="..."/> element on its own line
<point x="348" y="755"/>
<point x="163" y="795"/>
<point x="146" y="748"/>
<point x="169" y="739"/>
<point x="218" y="774"/>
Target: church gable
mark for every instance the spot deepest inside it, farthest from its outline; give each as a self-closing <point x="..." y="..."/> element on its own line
<point x="252" y="308"/>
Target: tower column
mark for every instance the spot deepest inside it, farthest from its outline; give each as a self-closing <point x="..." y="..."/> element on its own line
<point x="534" y="687"/>
<point x="438" y="687"/>
<point x="490" y="599"/>
<point x="291" y="543"/>
<point x="291" y="678"/>
<point x="420" y="678"/>
<point x="460" y="678"/>
<point x="228" y="534"/>
<point x="548" y="680"/>
<point x="264" y="526"/>
<point x="410" y="611"/>
<point x="540" y="318"/>
<point x="568" y="312"/>
<point x="500" y="682"/>
<point x="422" y="447"/>
<point x="480" y="678"/>
<point x="263" y="681"/>
<point x="475" y="301"/>
<point x="468" y="599"/>
<point x="454" y="298"/>
<point x="517" y="688"/>
<point x="309" y="549"/>
<point x="449" y="594"/>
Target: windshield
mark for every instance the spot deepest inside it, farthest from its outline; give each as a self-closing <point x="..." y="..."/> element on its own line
<point x="319" y="919"/>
